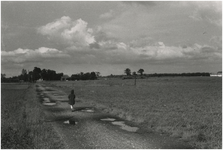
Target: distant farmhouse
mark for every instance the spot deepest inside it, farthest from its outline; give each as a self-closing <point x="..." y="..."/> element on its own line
<point x="64" y="77"/>
<point x="219" y="74"/>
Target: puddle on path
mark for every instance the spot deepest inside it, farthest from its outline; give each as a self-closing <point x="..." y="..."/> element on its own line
<point x="66" y="122"/>
<point x="108" y="119"/>
<point x="46" y="100"/>
<point x="59" y="98"/>
<point x="48" y="92"/>
<point x="70" y="122"/>
<point x="124" y="126"/>
<point x="89" y="110"/>
<point x="49" y="104"/>
<point x="121" y="124"/>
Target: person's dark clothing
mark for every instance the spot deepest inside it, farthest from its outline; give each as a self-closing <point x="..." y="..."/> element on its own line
<point x="71" y="99"/>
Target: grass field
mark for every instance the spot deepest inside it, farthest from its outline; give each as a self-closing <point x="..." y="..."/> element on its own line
<point x="22" y="120"/>
<point x="189" y="108"/>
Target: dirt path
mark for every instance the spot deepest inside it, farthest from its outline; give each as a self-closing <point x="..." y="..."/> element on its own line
<point x="87" y="127"/>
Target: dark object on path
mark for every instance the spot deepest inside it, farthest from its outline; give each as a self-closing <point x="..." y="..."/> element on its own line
<point x="71" y="98"/>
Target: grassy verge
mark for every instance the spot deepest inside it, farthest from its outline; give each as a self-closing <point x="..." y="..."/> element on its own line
<point x="186" y="108"/>
<point x="22" y="120"/>
<point x="14" y="133"/>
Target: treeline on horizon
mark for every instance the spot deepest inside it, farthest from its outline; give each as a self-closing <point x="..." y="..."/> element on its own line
<point x="51" y="75"/>
<point x="47" y="75"/>
<point x="162" y="75"/>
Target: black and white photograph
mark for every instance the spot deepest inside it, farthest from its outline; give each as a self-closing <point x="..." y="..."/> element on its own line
<point x="111" y="74"/>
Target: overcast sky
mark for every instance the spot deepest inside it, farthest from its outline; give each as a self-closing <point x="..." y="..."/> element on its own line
<point x="108" y="37"/>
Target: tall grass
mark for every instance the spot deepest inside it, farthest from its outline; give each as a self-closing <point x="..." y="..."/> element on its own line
<point x="22" y="120"/>
<point x="15" y="133"/>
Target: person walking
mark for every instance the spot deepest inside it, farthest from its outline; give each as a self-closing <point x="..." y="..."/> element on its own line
<point x="71" y="101"/>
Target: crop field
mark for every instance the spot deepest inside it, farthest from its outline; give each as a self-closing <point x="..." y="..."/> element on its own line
<point x="22" y="125"/>
<point x="188" y="108"/>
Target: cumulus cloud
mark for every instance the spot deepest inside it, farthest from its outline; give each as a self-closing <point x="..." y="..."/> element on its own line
<point x="23" y="55"/>
<point x="141" y="42"/>
<point x="161" y="52"/>
<point x="108" y="44"/>
<point x="114" y="52"/>
<point x="122" y="45"/>
<point x="69" y="32"/>
<point x="54" y="29"/>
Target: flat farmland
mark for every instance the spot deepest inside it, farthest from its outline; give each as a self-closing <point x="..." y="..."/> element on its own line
<point x="188" y="108"/>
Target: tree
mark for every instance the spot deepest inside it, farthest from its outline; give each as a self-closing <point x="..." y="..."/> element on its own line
<point x="51" y="74"/>
<point x="2" y="75"/>
<point x="36" y="73"/>
<point x="3" y="79"/>
<point x="24" y="75"/>
<point x="141" y="71"/>
<point x="58" y="76"/>
<point x="86" y="76"/>
<point x="81" y="76"/>
<point x="93" y="76"/>
<point x="75" y="77"/>
<point x="24" y="72"/>
<point x="44" y="74"/>
<point x="30" y="76"/>
<point x="127" y="71"/>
